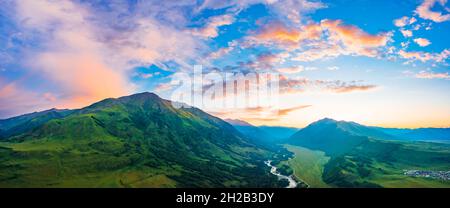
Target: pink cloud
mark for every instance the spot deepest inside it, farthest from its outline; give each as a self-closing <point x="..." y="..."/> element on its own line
<point x="403" y="21"/>
<point x="212" y="26"/>
<point x="422" y="42"/>
<point x="424" y="11"/>
<point x="425" y="56"/>
<point x="406" y="33"/>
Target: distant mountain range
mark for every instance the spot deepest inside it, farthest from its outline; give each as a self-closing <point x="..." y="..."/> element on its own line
<point x="134" y="141"/>
<point x="263" y="133"/>
<point x="364" y="156"/>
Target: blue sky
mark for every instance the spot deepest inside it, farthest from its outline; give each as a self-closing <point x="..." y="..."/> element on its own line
<point x="375" y="62"/>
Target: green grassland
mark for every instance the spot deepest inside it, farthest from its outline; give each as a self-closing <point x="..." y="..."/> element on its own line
<point x="382" y="163"/>
<point x="308" y="165"/>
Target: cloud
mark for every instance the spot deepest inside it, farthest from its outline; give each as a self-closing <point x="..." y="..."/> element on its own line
<point x="291" y="70"/>
<point x="424" y="11"/>
<point x="422" y="42"/>
<point x="223" y="51"/>
<point x="279" y="34"/>
<point x="343" y="87"/>
<point x="406" y="33"/>
<point x="432" y="75"/>
<point x="257" y="113"/>
<point x="16" y="100"/>
<point x="164" y="87"/>
<point x="425" y="56"/>
<point x="210" y="30"/>
<point x="87" y="53"/>
<point x="299" y="85"/>
<point x="403" y="21"/>
<point x="353" y="37"/>
<point x="333" y="68"/>
<point x="286" y="111"/>
<point x="329" y="38"/>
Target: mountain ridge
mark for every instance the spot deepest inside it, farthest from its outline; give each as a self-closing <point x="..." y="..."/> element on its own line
<point x="123" y="140"/>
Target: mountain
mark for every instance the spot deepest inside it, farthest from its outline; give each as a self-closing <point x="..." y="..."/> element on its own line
<point x="279" y="132"/>
<point x="253" y="132"/>
<point x="330" y="136"/>
<point x="420" y="134"/>
<point x="13" y="126"/>
<point x="262" y="133"/>
<point x="133" y="141"/>
<point x="362" y="157"/>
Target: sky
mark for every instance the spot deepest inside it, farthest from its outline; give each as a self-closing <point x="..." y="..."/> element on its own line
<point x="381" y="63"/>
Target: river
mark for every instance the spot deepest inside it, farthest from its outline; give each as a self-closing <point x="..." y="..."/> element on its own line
<point x="273" y="170"/>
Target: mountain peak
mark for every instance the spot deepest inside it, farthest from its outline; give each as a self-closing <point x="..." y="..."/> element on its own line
<point x="237" y="122"/>
<point x="141" y="95"/>
<point x="325" y="121"/>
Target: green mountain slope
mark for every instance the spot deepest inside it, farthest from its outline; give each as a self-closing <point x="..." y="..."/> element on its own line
<point x="359" y="160"/>
<point x="135" y="141"/>
<point x="13" y="126"/>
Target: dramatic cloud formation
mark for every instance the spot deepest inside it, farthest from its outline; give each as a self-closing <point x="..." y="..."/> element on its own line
<point x="87" y="56"/>
<point x="329" y="38"/>
<point x="424" y="11"/>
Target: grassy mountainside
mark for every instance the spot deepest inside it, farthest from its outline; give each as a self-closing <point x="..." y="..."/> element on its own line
<point x="134" y="141"/>
<point x="365" y="161"/>
<point x="13" y="126"/>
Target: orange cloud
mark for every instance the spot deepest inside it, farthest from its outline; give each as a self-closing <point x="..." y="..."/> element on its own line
<point x="279" y="33"/>
<point x="422" y="42"/>
<point x="15" y="100"/>
<point x="354" y="39"/>
<point x="258" y="113"/>
<point x="329" y="38"/>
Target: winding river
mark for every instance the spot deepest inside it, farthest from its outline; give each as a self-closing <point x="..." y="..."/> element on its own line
<point x="273" y="170"/>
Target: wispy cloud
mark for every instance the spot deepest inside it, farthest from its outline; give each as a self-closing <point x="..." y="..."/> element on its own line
<point x="432" y="75"/>
<point x="210" y="30"/>
<point x="425" y="56"/>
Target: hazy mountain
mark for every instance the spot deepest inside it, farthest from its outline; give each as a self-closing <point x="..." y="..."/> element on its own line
<point x="253" y="132"/>
<point x="262" y="133"/>
<point x="420" y="134"/>
<point x="279" y="132"/>
<point x="134" y="141"/>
